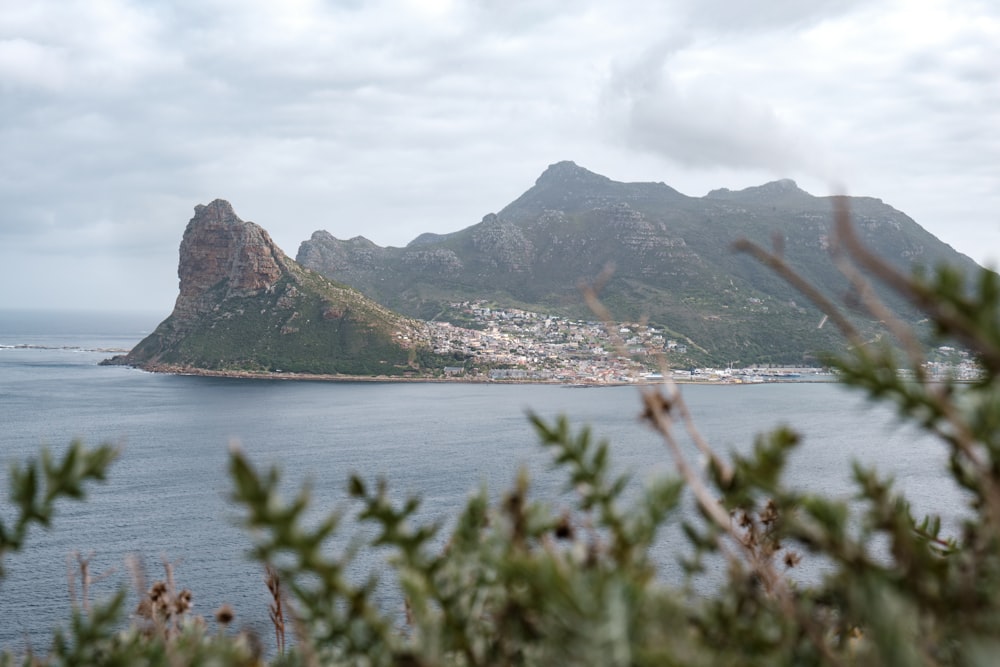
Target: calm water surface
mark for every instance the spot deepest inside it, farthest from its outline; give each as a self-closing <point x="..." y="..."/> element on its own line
<point x="167" y="496"/>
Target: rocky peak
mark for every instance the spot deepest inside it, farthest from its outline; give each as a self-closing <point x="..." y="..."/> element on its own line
<point x="781" y="186"/>
<point x="569" y="173"/>
<point x="220" y="251"/>
<point x="427" y="238"/>
<point x="219" y="210"/>
<point x="780" y="189"/>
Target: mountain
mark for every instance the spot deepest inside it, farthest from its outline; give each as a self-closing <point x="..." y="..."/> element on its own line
<point x="671" y="255"/>
<point x="245" y="306"/>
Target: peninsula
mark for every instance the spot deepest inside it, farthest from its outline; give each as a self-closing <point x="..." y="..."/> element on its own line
<point x="245" y="307"/>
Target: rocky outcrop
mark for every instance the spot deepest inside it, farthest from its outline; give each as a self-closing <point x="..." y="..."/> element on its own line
<point x="503" y="245"/>
<point x="435" y="261"/>
<point x="245" y="307"/>
<point x="222" y="256"/>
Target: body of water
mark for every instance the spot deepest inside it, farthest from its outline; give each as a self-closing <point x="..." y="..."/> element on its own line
<point x="167" y="496"/>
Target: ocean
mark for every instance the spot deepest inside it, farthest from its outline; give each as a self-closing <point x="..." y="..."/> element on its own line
<point x="167" y="497"/>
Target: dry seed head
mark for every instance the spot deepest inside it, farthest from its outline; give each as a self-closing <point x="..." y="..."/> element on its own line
<point x="224" y="615"/>
<point x="792" y="559"/>
<point x="564" y="529"/>
<point x="655" y="405"/>
<point x="183" y="602"/>
<point x="770" y="513"/>
<point x="158" y="591"/>
<point x="145" y="608"/>
<point x="273" y="582"/>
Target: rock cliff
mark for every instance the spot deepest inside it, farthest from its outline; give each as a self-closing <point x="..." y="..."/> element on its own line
<point x="244" y="306"/>
<point x="223" y="256"/>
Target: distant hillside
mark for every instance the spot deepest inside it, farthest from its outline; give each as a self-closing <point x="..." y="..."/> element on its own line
<point x="671" y="253"/>
<point x="245" y="306"/>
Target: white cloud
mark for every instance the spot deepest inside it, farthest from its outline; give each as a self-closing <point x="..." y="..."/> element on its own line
<point x="69" y="47"/>
<point x="703" y="122"/>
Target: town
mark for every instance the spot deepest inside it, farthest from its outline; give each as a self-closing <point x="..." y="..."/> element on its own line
<point x="508" y="344"/>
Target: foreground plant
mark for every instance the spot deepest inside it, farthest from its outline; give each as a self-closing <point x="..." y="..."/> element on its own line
<point x="37" y="485"/>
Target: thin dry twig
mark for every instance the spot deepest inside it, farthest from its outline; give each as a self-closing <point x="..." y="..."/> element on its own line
<point x="591" y="295"/>
<point x="849" y="247"/>
<point x="656" y="413"/>
<point x="877" y="309"/>
<point x="961" y="436"/>
<point x="81" y="564"/>
<point x="657" y="407"/>
<point x="778" y="264"/>
<point x="275" y="609"/>
<point x="658" y="410"/>
<point x="951" y="321"/>
<point x="137" y="570"/>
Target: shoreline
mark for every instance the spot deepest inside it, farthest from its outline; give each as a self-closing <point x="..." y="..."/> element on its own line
<point x="330" y="377"/>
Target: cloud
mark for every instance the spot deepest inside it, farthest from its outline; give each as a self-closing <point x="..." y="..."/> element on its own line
<point x="722" y="16"/>
<point x="703" y="121"/>
<point x="63" y="47"/>
<point x="390" y="118"/>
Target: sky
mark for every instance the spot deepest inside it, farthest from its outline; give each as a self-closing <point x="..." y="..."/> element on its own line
<point x="388" y="119"/>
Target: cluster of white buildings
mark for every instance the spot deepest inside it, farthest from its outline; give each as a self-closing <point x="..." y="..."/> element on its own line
<point x="518" y="345"/>
<point x="508" y="344"/>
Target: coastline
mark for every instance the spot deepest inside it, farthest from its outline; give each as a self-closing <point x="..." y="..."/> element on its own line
<point x="328" y="377"/>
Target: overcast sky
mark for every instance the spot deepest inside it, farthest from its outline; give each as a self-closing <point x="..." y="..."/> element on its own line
<point x="391" y="118"/>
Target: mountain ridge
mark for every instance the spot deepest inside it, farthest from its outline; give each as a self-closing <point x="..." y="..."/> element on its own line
<point x="671" y="253"/>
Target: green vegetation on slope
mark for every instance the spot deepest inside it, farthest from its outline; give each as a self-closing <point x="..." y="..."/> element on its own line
<point x="304" y="324"/>
<point x="255" y="334"/>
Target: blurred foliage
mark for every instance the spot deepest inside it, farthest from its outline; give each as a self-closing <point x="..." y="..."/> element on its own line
<point x="36" y="486"/>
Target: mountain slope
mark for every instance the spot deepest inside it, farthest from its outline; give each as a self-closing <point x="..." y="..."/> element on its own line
<point x="245" y="306"/>
<point x="671" y="255"/>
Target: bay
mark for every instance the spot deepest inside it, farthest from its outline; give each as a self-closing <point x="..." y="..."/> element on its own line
<point x="168" y="496"/>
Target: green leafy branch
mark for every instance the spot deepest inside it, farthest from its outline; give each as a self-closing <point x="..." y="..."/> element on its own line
<point x="37" y="485"/>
